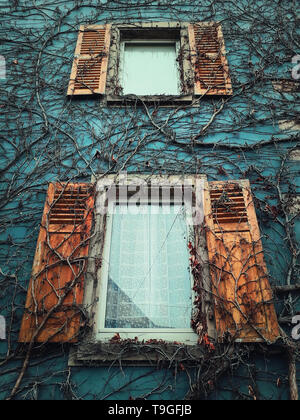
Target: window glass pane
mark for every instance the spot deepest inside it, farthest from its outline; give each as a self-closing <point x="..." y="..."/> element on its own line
<point x="150" y="69"/>
<point x="149" y="282"/>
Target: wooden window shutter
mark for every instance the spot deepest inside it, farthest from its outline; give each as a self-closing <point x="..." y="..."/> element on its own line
<point x="208" y="56"/>
<point x="89" y="70"/>
<point x="241" y="291"/>
<point x="55" y="293"/>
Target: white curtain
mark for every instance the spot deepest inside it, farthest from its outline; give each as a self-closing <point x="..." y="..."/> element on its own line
<point x="149" y="283"/>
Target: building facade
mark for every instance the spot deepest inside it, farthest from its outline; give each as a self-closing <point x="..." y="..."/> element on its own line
<point x="150" y="208"/>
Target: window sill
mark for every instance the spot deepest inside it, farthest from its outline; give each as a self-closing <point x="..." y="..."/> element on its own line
<point x="130" y="352"/>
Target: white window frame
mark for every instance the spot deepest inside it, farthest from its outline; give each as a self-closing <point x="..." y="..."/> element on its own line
<point x="150" y="41"/>
<point x="105" y="334"/>
<point x="91" y="300"/>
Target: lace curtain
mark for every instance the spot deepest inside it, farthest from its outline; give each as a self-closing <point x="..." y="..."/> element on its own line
<point x="149" y="282"/>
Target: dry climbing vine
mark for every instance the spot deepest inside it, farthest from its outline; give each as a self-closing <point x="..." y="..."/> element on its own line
<point x="46" y="136"/>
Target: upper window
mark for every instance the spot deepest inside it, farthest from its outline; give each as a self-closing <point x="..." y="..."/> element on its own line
<point x="143" y="273"/>
<point x="145" y="281"/>
<point x="180" y="60"/>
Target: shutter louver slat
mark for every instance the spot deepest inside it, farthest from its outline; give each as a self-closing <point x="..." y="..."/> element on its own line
<point x="240" y="285"/>
<point x="209" y="59"/>
<point x="88" y="75"/>
<point x="68" y="206"/>
<point x="55" y="293"/>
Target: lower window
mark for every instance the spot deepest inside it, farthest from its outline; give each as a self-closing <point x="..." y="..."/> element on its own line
<point x="146" y="283"/>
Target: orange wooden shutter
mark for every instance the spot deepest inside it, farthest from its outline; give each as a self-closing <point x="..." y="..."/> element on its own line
<point x="209" y="60"/>
<point x="55" y="293"/>
<point x="89" y="70"/>
<point x="240" y="285"/>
